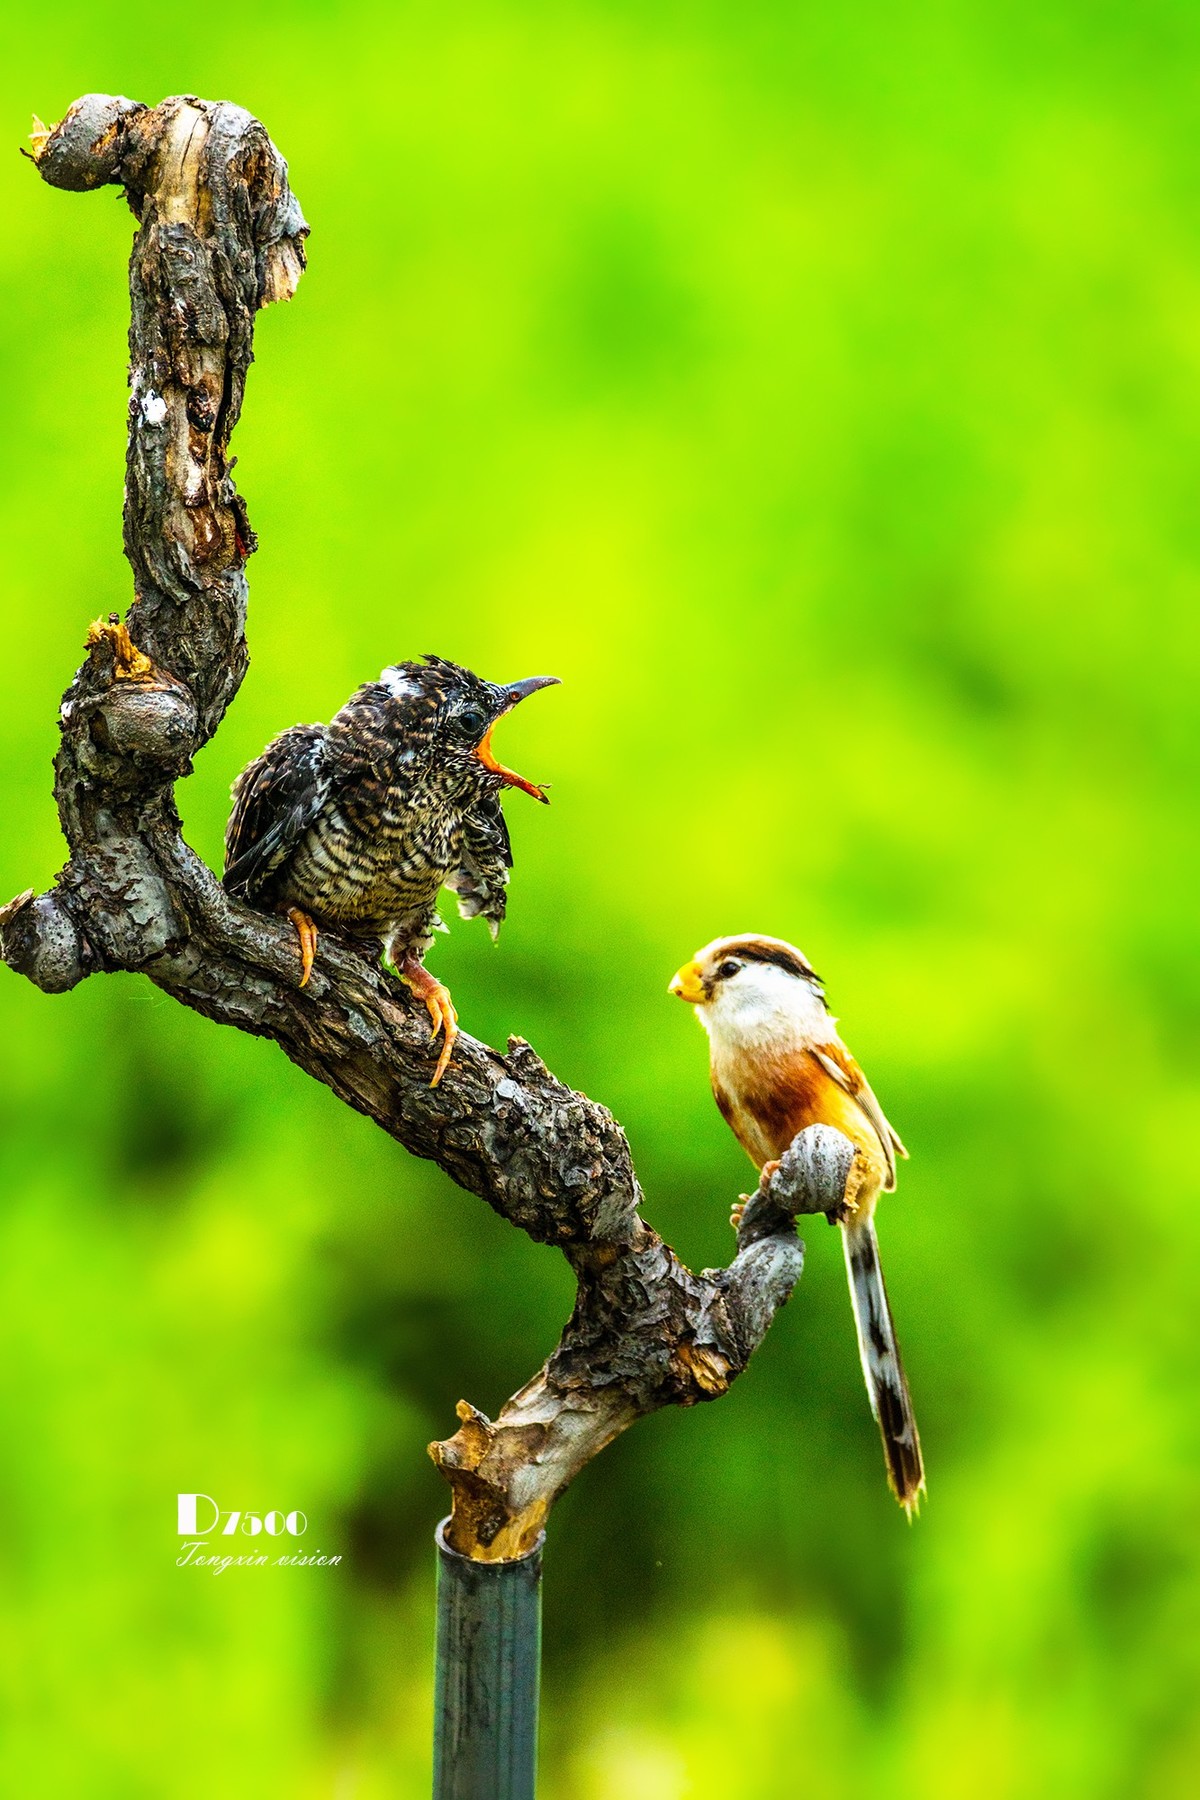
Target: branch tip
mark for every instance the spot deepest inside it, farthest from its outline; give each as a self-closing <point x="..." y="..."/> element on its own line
<point x="12" y="907"/>
<point x="39" y="137"/>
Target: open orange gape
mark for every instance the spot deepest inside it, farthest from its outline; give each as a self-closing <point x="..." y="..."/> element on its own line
<point x="519" y="690"/>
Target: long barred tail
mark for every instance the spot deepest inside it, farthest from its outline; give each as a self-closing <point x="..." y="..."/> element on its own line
<point x="882" y="1369"/>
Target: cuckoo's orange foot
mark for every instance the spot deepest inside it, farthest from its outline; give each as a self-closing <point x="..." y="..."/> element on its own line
<point x="306" y="931"/>
<point x="439" y="1006"/>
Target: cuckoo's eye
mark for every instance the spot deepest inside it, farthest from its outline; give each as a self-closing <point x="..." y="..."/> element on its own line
<point x="727" y="968"/>
<point x="471" y="724"/>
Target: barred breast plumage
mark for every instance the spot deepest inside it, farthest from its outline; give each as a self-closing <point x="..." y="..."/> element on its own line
<point x="355" y="826"/>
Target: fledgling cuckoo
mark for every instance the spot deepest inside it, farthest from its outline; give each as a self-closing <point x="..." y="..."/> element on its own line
<point x="355" y="826"/>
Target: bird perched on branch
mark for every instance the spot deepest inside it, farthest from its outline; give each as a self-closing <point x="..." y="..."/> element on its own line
<point x="354" y="826"/>
<point x="777" y="1066"/>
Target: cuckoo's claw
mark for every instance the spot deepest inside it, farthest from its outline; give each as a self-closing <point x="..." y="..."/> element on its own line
<point x="306" y="931"/>
<point x="440" y="1008"/>
<point x="445" y="1019"/>
<point x="735" y="1212"/>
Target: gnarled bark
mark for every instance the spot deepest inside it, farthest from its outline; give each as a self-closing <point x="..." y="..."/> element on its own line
<point x="220" y="235"/>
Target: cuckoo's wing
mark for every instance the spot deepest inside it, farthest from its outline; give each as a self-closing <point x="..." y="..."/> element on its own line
<point x="837" y="1061"/>
<point x="275" y="800"/>
<point x="485" y="857"/>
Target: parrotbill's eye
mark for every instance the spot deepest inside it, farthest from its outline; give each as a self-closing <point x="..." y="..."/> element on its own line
<point x="727" y="968"/>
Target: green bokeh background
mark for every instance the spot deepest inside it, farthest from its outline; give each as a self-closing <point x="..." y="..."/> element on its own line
<point x="817" y="391"/>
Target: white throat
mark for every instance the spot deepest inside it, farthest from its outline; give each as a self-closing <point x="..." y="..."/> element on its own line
<point x="765" y="1007"/>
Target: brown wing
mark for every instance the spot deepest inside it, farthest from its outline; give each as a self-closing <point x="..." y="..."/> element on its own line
<point x="838" y="1063"/>
<point x="275" y="800"/>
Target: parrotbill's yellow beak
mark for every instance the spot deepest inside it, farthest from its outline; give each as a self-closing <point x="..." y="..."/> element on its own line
<point x="687" y="985"/>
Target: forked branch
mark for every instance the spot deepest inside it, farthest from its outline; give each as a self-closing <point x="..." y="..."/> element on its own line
<point x="219" y="235"/>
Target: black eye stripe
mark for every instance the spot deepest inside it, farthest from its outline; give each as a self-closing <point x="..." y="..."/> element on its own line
<point x="782" y="958"/>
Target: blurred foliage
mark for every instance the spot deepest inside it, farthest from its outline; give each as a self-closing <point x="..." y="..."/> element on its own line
<point x="818" y="393"/>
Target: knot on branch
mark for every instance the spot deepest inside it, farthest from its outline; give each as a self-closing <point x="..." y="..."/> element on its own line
<point x="84" y="150"/>
<point x="40" y="940"/>
<point x="813" y="1176"/>
<point x="132" y="720"/>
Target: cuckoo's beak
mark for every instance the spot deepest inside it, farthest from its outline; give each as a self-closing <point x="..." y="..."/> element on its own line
<point x="687" y="985"/>
<point x="516" y="692"/>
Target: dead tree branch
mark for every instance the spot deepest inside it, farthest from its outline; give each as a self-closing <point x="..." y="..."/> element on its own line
<point x="219" y="235"/>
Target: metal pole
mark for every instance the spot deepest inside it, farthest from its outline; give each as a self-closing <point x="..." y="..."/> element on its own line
<point x="489" y="1639"/>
